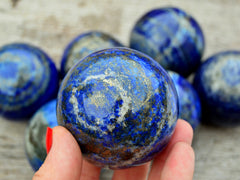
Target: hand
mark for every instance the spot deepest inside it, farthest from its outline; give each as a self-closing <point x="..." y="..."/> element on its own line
<point x="65" y="162"/>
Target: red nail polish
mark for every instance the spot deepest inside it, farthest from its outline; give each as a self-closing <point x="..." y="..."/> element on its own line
<point x="48" y="139"/>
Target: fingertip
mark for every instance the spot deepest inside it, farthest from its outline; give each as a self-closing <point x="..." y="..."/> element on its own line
<point x="61" y="131"/>
<point x="184" y="131"/>
<point x="66" y="139"/>
<point x="186" y="125"/>
<point x="64" y="160"/>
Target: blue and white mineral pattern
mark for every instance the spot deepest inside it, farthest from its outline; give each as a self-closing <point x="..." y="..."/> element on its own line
<point x="171" y="37"/>
<point x="189" y="102"/>
<point x="84" y="45"/>
<point x="218" y="85"/>
<point x="35" y="134"/>
<point x="28" y="79"/>
<point x="120" y="105"/>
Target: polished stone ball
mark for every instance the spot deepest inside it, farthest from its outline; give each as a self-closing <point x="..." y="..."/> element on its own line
<point x="120" y="105"/>
<point x="35" y="134"/>
<point x="28" y="79"/>
<point x="85" y="44"/>
<point x="170" y="36"/>
<point x="189" y="102"/>
<point x="218" y="85"/>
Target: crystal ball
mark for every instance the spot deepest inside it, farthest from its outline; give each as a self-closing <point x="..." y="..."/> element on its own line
<point x="120" y="105"/>
<point x="189" y="101"/>
<point x="218" y="84"/>
<point x="28" y="79"/>
<point x="170" y="36"/>
<point x="85" y="44"/>
<point x="35" y="134"/>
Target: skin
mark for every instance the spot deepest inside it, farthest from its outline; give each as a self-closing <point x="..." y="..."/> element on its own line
<point x="64" y="161"/>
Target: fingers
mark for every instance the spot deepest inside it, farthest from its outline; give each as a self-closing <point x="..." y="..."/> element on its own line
<point x="64" y="160"/>
<point x="183" y="133"/>
<point x="89" y="171"/>
<point x="139" y="173"/>
<point x="180" y="163"/>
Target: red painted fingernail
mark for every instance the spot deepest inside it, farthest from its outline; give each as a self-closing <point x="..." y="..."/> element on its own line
<point x="48" y="139"/>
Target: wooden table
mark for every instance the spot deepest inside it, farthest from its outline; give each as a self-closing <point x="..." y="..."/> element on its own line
<point x="52" y="24"/>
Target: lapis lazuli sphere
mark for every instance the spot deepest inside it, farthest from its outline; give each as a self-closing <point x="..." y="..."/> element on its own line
<point x="120" y="105"/>
<point x="189" y="102"/>
<point x="84" y="45"/>
<point x="35" y="134"/>
<point x="28" y="79"/>
<point x="218" y="84"/>
<point x="171" y="37"/>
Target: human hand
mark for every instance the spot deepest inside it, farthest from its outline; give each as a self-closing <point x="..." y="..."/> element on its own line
<point x="65" y="161"/>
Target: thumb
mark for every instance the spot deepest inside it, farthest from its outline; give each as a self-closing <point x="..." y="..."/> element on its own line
<point x="64" y="160"/>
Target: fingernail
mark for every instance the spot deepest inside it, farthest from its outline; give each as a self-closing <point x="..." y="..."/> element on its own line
<point x="48" y="139"/>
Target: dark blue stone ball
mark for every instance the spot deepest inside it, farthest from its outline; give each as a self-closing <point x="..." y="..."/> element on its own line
<point x="28" y="79"/>
<point x="171" y="37"/>
<point x="83" y="45"/>
<point x="218" y="84"/>
<point x="120" y="105"/>
<point x="189" y="102"/>
<point x="35" y="134"/>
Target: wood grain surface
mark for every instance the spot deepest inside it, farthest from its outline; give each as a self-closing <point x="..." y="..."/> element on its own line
<point x="52" y="24"/>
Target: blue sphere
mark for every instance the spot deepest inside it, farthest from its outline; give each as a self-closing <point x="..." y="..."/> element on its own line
<point x="120" y="105"/>
<point x="218" y="84"/>
<point x="171" y="37"/>
<point x="83" y="45"/>
<point x="35" y="134"/>
<point x="28" y="79"/>
<point x="189" y="102"/>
